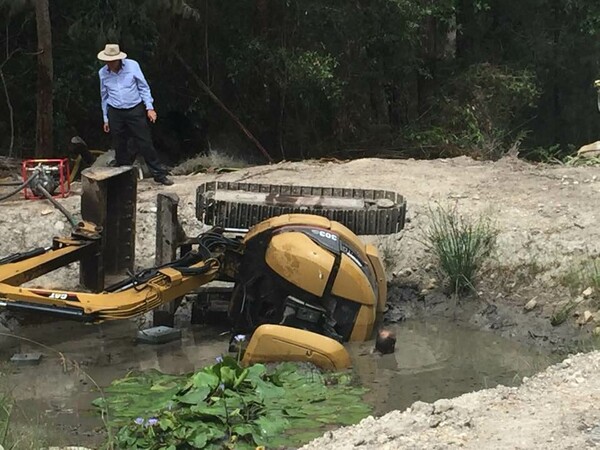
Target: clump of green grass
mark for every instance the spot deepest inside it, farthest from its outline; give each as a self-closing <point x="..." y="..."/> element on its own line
<point x="461" y="245"/>
<point x="582" y="276"/>
<point x="561" y="314"/>
<point x="579" y="160"/>
<point x="387" y="253"/>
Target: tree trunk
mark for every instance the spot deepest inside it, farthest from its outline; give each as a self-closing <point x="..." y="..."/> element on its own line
<point x="262" y="8"/>
<point x="465" y="21"/>
<point x="44" y="122"/>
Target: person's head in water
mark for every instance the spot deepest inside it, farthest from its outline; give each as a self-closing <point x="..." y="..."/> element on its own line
<point x="385" y="342"/>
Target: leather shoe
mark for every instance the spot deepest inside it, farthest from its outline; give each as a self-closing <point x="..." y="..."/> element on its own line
<point x="164" y="180"/>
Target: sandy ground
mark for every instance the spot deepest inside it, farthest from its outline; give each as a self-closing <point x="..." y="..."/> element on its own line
<point x="547" y="222"/>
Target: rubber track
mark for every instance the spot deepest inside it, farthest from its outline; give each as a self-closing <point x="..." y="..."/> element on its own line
<point x="368" y="221"/>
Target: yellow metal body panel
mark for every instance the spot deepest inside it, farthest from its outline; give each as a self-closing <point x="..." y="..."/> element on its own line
<point x="352" y="284"/>
<point x="288" y="219"/>
<point x="298" y="260"/>
<point x="363" y="325"/>
<point x="309" y="220"/>
<point x="275" y="343"/>
<point x="375" y="260"/>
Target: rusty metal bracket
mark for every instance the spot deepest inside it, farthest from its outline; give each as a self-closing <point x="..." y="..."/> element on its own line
<point x="243" y="205"/>
<point x="170" y="237"/>
<point x="108" y="200"/>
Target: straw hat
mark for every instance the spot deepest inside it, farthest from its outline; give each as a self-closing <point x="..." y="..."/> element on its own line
<point x="111" y="52"/>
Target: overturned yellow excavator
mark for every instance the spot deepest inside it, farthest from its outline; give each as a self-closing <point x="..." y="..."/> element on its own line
<point x="302" y="283"/>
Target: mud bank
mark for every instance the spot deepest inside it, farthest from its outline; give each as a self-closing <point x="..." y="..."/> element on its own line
<point x="498" y="317"/>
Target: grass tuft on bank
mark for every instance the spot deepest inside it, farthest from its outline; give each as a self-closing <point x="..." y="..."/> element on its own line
<point x="583" y="275"/>
<point x="461" y="245"/>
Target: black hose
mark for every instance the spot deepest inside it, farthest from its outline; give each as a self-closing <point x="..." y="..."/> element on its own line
<point x="40" y="189"/>
<point x="20" y="187"/>
<point x="16" y="257"/>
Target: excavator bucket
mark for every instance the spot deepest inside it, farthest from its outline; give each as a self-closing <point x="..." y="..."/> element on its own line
<point x="243" y="205"/>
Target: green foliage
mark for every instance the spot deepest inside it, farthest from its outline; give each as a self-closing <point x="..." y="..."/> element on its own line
<point x="227" y="406"/>
<point x="561" y="313"/>
<point x="461" y="245"/>
<point x="474" y="110"/>
<point x="432" y="79"/>
<point x="578" y="161"/>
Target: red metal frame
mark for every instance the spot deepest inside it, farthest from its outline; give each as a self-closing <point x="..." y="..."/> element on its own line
<point x="63" y="170"/>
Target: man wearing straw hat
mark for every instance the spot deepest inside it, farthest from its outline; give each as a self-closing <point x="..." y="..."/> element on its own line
<point x="127" y="106"/>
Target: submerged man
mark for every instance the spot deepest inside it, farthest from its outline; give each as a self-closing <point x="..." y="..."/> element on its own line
<point x="127" y="106"/>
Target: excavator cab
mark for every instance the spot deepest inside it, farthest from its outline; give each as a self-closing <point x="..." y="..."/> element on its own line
<point x="307" y="272"/>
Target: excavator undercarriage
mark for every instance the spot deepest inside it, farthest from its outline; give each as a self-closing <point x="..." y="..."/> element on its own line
<point x="302" y="284"/>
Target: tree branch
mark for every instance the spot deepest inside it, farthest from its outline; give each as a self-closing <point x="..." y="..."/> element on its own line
<point x="11" y="112"/>
<point x="216" y="99"/>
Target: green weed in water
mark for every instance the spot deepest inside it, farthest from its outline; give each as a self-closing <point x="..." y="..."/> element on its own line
<point x="227" y="406"/>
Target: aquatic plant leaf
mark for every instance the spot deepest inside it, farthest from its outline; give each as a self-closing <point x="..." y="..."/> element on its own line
<point x="227" y="406"/>
<point x="205" y="379"/>
<point x="195" y="396"/>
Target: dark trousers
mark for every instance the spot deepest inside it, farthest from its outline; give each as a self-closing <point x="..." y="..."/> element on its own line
<point x="133" y="123"/>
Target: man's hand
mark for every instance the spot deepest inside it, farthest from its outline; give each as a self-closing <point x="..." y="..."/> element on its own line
<point x="106" y="128"/>
<point x="151" y="115"/>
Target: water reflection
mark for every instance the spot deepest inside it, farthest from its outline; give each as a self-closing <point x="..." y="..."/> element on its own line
<point x="440" y="360"/>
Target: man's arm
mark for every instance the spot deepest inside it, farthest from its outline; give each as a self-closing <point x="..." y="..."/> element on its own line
<point x="104" y="100"/>
<point x="143" y="88"/>
<point x="104" y="103"/>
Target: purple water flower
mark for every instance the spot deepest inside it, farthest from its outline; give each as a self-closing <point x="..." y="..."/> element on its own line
<point x="219" y="359"/>
<point x="151" y="422"/>
<point x="139" y="421"/>
<point x="239" y="338"/>
<point x="222" y="387"/>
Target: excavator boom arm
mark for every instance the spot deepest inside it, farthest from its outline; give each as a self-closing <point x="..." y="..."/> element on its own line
<point x="129" y="299"/>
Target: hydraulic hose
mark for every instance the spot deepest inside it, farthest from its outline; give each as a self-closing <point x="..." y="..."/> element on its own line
<point x="20" y="187"/>
<point x="40" y="189"/>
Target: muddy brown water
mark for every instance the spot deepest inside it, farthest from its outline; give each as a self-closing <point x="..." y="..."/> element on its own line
<point x="440" y="359"/>
<point x="433" y="360"/>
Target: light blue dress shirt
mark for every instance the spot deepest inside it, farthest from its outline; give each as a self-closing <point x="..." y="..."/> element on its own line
<point x="125" y="89"/>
